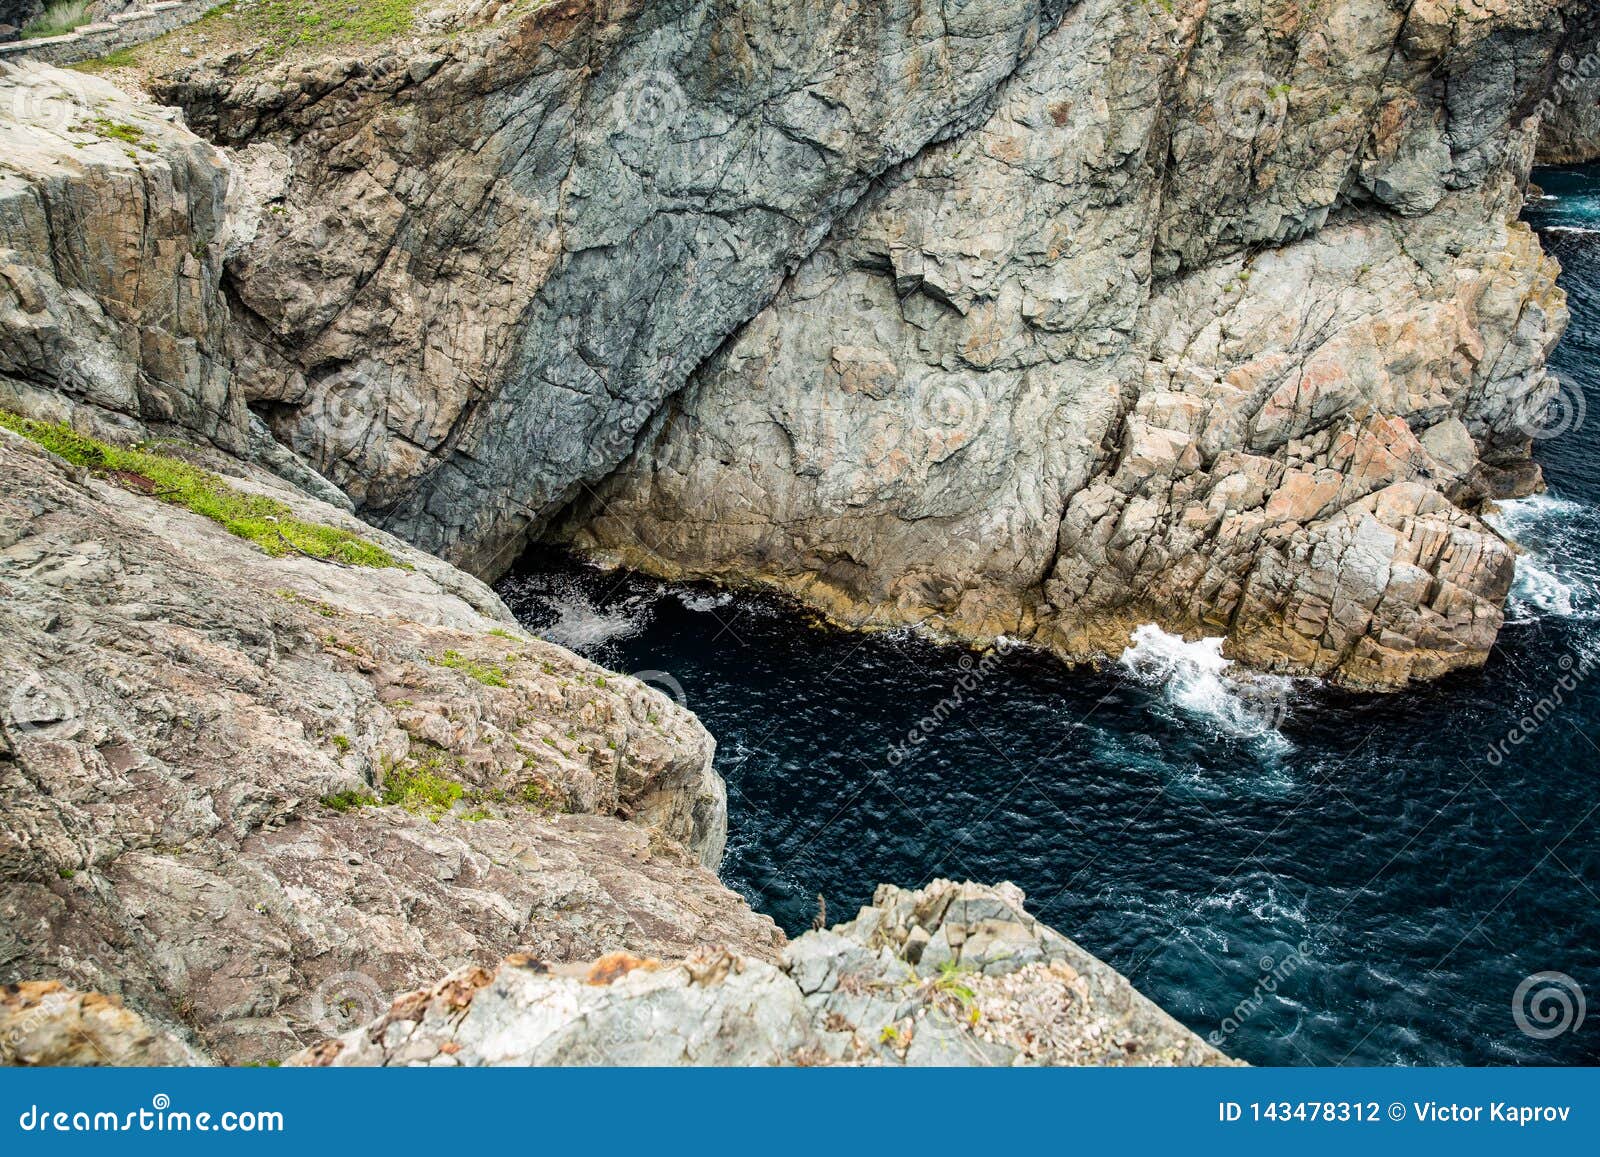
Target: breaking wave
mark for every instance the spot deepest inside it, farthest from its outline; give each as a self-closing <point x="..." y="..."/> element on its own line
<point x="1556" y="569"/>
<point x="1196" y="679"/>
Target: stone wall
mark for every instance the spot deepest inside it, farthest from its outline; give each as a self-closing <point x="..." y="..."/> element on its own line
<point x="122" y="30"/>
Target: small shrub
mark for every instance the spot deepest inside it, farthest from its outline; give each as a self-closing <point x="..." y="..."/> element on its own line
<point x="345" y="801"/>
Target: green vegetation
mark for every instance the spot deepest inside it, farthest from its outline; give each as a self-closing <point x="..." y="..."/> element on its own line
<point x="420" y="788"/>
<point x="502" y="633"/>
<point x="66" y="873"/>
<point x="57" y="19"/>
<point x="342" y="742"/>
<point x="308" y="23"/>
<point x="951" y="982"/>
<point x="268" y="523"/>
<point x="326" y="610"/>
<point x="346" y="801"/>
<point x="489" y="674"/>
<point x="126" y="133"/>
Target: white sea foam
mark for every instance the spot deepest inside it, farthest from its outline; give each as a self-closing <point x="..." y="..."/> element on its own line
<point x="1554" y="576"/>
<point x="1197" y="680"/>
<point x="701" y="601"/>
<point x="581" y="624"/>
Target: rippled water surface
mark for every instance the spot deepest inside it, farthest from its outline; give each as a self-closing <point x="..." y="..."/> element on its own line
<point x="1393" y="867"/>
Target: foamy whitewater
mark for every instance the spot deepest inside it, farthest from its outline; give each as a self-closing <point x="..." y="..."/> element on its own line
<point x="1155" y="810"/>
<point x="1198" y="680"/>
<point x="1555" y="574"/>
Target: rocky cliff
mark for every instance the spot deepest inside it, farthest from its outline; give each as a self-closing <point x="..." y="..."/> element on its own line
<point x="261" y="764"/>
<point x="1221" y="321"/>
<point x="973" y="318"/>
<point x="1570" y="112"/>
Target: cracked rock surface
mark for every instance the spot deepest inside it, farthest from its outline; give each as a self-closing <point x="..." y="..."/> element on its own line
<point x="1222" y="320"/>
<point x="199" y="740"/>
<point x="954" y="974"/>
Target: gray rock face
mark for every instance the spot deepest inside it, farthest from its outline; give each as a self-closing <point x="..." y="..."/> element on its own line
<point x="1166" y="339"/>
<point x="1570" y="113"/>
<point x="15" y="14"/>
<point x="982" y="313"/>
<point x="197" y="740"/>
<point x="497" y="258"/>
<point x="956" y="974"/>
<point x="112" y="233"/>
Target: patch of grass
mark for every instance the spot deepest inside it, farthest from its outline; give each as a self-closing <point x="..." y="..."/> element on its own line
<point x="120" y="58"/>
<point x="66" y="873"/>
<point x="502" y="633"/>
<point x="126" y="133"/>
<point x="58" y="19"/>
<point x="420" y="788"/>
<point x="326" y="610"/>
<point x="268" y="523"/>
<point x="345" y="801"/>
<point x="950" y="980"/>
<point x="342" y="742"/>
<point x="489" y="674"/>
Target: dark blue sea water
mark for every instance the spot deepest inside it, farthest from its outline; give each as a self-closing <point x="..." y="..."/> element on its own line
<point x="1363" y="883"/>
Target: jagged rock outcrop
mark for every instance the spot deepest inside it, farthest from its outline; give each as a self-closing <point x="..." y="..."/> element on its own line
<point x="112" y="234"/>
<point x="1221" y="321"/>
<point x="43" y="1022"/>
<point x="1570" y="112"/>
<point x="954" y="974"/>
<point x="244" y="788"/>
<point x="503" y="250"/>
